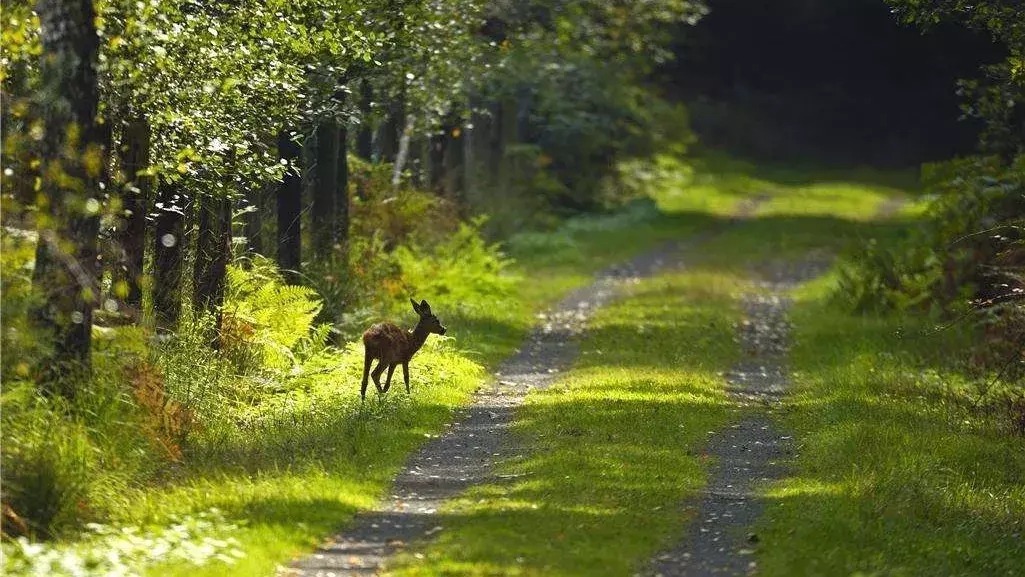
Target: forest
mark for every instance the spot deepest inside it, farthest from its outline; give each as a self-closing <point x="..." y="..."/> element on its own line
<point x="649" y="232"/>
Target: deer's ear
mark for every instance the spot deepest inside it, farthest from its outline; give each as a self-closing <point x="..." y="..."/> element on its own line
<point x="425" y="308"/>
<point x="416" y="307"/>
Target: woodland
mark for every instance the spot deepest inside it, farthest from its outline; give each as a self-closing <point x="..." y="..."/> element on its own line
<point x="206" y="203"/>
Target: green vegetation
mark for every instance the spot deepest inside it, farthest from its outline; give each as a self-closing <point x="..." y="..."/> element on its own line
<point x="898" y="471"/>
<point x="611" y="449"/>
<point x="205" y="203"/>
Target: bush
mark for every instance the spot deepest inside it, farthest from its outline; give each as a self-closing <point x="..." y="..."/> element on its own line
<point x="967" y="262"/>
<point x="463" y="270"/>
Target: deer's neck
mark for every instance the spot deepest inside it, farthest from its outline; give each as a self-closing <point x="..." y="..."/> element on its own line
<point x="417" y="338"/>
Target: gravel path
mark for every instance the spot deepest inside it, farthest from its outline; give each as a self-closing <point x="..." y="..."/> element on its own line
<point x="750" y="452"/>
<point x="464" y="454"/>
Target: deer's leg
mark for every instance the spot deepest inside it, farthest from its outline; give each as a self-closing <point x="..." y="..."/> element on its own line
<point x="405" y="375"/>
<point x="367" y="359"/>
<point x="377" y="375"/>
<point x="387" y="382"/>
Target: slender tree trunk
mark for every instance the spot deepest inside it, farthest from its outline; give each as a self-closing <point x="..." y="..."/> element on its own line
<point x="289" y="201"/>
<point x="65" y="271"/>
<point x="167" y="256"/>
<point x="436" y="159"/>
<point x="508" y="124"/>
<point x="447" y="158"/>
<point x="213" y="252"/>
<point x="403" y="155"/>
<point x="365" y="134"/>
<point x="342" y="192"/>
<point x="254" y="223"/>
<point x="455" y="162"/>
<point x="135" y="201"/>
<point x="325" y="189"/>
<point x="391" y="130"/>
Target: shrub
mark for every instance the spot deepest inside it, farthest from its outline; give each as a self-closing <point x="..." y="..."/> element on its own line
<point x="464" y="269"/>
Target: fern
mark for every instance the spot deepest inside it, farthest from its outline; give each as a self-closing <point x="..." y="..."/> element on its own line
<point x="274" y="319"/>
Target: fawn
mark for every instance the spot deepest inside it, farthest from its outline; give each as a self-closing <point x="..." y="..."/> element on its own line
<point x="392" y="346"/>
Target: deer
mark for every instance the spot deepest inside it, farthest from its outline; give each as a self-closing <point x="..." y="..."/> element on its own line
<point x="391" y="346"/>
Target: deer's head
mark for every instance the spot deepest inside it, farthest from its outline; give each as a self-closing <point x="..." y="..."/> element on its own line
<point x="427" y="319"/>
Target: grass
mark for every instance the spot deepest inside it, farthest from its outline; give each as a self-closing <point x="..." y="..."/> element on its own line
<point x="613" y="448"/>
<point x="892" y="477"/>
<point x="290" y="487"/>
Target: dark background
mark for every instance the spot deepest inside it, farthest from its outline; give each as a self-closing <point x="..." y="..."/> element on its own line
<point x="833" y="81"/>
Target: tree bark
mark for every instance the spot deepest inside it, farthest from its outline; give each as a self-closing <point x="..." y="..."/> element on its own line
<point x="289" y="205"/>
<point x="436" y="158"/>
<point x="254" y="223"/>
<point x="455" y="162"/>
<point x="365" y="135"/>
<point x="342" y="192"/>
<point x="403" y="155"/>
<point x="65" y="272"/>
<point x="325" y="189"/>
<point x="167" y="256"/>
<point x="136" y="193"/>
<point x="213" y="252"/>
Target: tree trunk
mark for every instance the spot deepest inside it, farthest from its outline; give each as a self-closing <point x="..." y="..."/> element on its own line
<point x="365" y="135"/>
<point x="254" y="223"/>
<point x="447" y="158"/>
<point x="436" y="158"/>
<point x="167" y="256"/>
<point x="135" y="202"/>
<point x="455" y="162"/>
<point x="213" y="251"/>
<point x="391" y="130"/>
<point x="325" y="189"/>
<point x="290" y="205"/>
<point x="65" y="272"/>
<point x="342" y="192"/>
<point x="403" y="155"/>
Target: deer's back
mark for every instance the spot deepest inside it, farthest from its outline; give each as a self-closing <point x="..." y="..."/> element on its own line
<point x="387" y="342"/>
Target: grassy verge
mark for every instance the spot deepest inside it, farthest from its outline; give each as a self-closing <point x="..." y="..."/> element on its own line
<point x="896" y="475"/>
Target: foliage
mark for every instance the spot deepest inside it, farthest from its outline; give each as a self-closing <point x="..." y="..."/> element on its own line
<point x="462" y="270"/>
<point x="968" y="256"/>
<point x="267" y="321"/>
<point x="106" y="550"/>
<point x="22" y="344"/>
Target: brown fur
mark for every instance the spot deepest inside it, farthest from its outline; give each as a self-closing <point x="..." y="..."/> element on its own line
<point x="391" y="346"/>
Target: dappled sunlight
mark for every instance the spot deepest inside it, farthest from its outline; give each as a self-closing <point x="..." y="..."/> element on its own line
<point x="612" y="449"/>
<point x="803" y="487"/>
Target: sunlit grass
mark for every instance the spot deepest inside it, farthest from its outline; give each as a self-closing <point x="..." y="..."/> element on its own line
<point x="918" y="484"/>
<point x="890" y="479"/>
<point x="611" y="451"/>
<point x="288" y="503"/>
